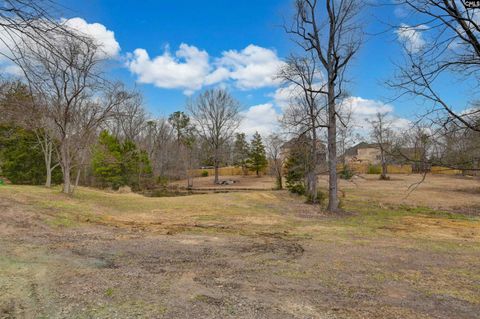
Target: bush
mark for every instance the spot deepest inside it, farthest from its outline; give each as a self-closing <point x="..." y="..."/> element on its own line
<point x="346" y="173"/>
<point x="296" y="188"/>
<point x="162" y="182"/>
<point x="321" y="197"/>
<point x="204" y="173"/>
<point x="374" y="169"/>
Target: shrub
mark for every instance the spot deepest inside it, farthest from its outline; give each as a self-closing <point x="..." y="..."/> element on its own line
<point x="162" y="182"/>
<point x="204" y="173"/>
<point x="321" y="197"/>
<point x="296" y="188"/>
<point x="374" y="169"/>
<point x="346" y="173"/>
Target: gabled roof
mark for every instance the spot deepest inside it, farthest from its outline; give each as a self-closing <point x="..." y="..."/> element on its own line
<point x="352" y="151"/>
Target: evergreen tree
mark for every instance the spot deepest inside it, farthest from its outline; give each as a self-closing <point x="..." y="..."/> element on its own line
<point x="118" y="164"/>
<point x="21" y="158"/>
<point x="295" y="172"/>
<point x="257" y="160"/>
<point x="241" y="152"/>
<point x="181" y="124"/>
<point x="107" y="161"/>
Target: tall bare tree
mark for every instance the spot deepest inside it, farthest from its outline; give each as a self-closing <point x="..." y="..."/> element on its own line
<point x="76" y="98"/>
<point x="19" y="106"/>
<point x="382" y="134"/>
<point x="129" y="118"/>
<point x="333" y="32"/>
<point x="23" y="22"/>
<point x="276" y="158"/>
<point x="306" y="111"/>
<point x="216" y="114"/>
<point x="441" y="41"/>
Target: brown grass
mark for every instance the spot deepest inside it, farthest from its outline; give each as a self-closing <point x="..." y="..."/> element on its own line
<point x="259" y="254"/>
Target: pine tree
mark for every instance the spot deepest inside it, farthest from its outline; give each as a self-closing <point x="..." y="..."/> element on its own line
<point x="295" y="167"/>
<point x="241" y="152"/>
<point x="257" y="160"/>
<point x="107" y="161"/>
<point x="118" y="164"/>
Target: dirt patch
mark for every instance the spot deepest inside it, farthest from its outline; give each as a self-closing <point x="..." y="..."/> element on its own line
<point x="252" y="255"/>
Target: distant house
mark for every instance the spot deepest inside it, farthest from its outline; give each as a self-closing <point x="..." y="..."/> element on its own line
<point x="416" y="157"/>
<point x="363" y="153"/>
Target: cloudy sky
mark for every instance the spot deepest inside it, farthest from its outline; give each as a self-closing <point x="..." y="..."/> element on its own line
<point x="171" y="50"/>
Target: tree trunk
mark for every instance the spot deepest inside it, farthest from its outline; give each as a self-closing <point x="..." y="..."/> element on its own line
<point x="66" y="180"/>
<point x="383" y="176"/>
<point x="47" y="149"/>
<point x="216" y="173"/>
<point x="332" y="153"/>
<point x="280" y="181"/>
<point x="48" y="182"/>
<point x="48" y="164"/>
<point x="77" y="180"/>
<point x="312" y="187"/>
<point x="66" y="169"/>
<point x="189" y="171"/>
<point x="312" y="167"/>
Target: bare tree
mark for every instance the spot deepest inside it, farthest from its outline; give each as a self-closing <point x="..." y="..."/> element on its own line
<point x="159" y="142"/>
<point x="19" y="106"/>
<point x="69" y="86"/>
<point x="306" y="112"/>
<point x="382" y="134"/>
<point x="274" y="144"/>
<point x="216" y="114"/>
<point x="129" y="118"/>
<point x="440" y="41"/>
<point x="346" y="136"/>
<point x="26" y="22"/>
<point x="185" y="143"/>
<point x="333" y="33"/>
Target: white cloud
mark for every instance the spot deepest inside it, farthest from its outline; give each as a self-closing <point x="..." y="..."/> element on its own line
<point x="262" y="118"/>
<point x="283" y="96"/>
<point x="190" y="68"/>
<point x="411" y="37"/>
<point x="187" y="69"/>
<point x="252" y="67"/>
<point x="365" y="110"/>
<point x="103" y="37"/>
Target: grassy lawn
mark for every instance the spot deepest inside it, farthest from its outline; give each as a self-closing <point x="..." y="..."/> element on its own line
<point x="262" y="254"/>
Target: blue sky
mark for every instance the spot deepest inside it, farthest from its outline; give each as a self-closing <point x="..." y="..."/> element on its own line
<point x="209" y="29"/>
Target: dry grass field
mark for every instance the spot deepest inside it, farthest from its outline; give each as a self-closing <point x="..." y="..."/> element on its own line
<point x="259" y="254"/>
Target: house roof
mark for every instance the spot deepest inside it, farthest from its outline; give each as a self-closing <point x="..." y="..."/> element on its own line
<point x="352" y="151"/>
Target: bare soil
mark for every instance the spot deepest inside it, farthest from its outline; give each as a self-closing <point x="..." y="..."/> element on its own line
<point x="240" y="255"/>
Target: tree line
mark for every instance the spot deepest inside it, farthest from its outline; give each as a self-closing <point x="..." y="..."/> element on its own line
<point x="88" y="129"/>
